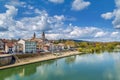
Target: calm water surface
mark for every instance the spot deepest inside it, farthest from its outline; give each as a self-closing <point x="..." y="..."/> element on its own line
<point x="104" y="66"/>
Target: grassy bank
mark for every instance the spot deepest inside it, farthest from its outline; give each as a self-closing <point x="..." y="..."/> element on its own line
<point x="29" y="55"/>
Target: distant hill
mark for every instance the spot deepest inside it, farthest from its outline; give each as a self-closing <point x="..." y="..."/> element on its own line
<point x="76" y="40"/>
<point x="62" y="40"/>
<point x="79" y="41"/>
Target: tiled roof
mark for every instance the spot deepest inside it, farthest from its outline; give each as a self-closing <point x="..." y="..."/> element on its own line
<point x="10" y="44"/>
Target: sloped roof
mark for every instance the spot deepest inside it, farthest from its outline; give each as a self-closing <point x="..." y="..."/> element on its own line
<point x="10" y="44"/>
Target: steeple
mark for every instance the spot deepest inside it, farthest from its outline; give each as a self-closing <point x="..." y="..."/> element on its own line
<point x="43" y="36"/>
<point x="34" y="35"/>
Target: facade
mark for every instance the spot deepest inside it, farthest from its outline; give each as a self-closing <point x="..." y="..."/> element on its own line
<point x="27" y="46"/>
<point x="19" y="48"/>
<point x="61" y="46"/>
<point x="30" y="47"/>
<point x="40" y="42"/>
<point x="9" y="47"/>
<point x="2" y="46"/>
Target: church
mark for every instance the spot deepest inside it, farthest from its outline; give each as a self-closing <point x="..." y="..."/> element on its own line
<point x="41" y="42"/>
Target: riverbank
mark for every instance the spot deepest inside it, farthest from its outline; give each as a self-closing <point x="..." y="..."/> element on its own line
<point x="41" y="58"/>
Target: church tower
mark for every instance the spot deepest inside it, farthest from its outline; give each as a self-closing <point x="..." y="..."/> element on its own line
<point x="43" y="36"/>
<point x="34" y="35"/>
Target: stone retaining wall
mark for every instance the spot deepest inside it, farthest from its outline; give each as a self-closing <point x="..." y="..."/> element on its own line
<point x="7" y="60"/>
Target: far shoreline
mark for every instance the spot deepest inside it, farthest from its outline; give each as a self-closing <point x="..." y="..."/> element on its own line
<point x="31" y="60"/>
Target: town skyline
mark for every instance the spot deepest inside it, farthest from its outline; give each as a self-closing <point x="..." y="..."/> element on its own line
<point x="60" y="19"/>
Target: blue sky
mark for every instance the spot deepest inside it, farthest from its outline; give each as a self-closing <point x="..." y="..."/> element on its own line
<point x="91" y="20"/>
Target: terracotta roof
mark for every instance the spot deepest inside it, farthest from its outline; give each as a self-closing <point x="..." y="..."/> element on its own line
<point x="37" y="40"/>
<point x="10" y="44"/>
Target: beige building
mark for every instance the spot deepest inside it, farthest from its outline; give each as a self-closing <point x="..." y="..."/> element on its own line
<point x="41" y="42"/>
<point x="19" y="48"/>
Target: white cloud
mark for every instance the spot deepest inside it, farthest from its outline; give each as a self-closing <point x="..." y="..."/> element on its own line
<point x="59" y="18"/>
<point x="83" y="33"/>
<point x="30" y="7"/>
<point x="56" y="1"/>
<point x="38" y="23"/>
<point x="11" y="10"/>
<point x="117" y="3"/>
<point x="6" y="19"/>
<point x="80" y="4"/>
<point x="114" y="33"/>
<point x="100" y="34"/>
<point x="74" y="32"/>
<point x="115" y="15"/>
<point x="42" y="22"/>
<point x="54" y="26"/>
<point x="16" y="3"/>
<point x="116" y="21"/>
<point x="27" y="25"/>
<point x="107" y="15"/>
<point x="37" y="11"/>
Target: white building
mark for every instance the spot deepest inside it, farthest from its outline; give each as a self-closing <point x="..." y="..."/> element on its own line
<point x="28" y="46"/>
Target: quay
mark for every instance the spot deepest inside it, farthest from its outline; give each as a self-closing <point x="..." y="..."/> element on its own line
<point x="7" y="59"/>
<point x="40" y="59"/>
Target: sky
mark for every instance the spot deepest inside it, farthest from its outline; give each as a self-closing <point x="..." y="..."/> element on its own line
<point x="91" y="20"/>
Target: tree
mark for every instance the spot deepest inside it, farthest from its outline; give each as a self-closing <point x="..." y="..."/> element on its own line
<point x="70" y="43"/>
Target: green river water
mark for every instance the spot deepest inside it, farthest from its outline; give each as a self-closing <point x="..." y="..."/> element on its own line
<point x="104" y="66"/>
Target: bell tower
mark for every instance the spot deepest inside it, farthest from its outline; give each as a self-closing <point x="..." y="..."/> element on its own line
<point x="34" y="35"/>
<point x="43" y="36"/>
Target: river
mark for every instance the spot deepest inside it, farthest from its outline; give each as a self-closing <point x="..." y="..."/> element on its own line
<point x="104" y="66"/>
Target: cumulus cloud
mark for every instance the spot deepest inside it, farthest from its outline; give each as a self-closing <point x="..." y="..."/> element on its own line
<point x="56" y="1"/>
<point x="6" y="19"/>
<point x="80" y="4"/>
<point x="100" y="34"/>
<point x="115" y="15"/>
<point x="107" y="15"/>
<point x="54" y="26"/>
<point x="74" y="32"/>
<point x="83" y="33"/>
<point x="115" y="34"/>
<point x="41" y="22"/>
<point x="16" y="3"/>
<point x="116" y="21"/>
<point x="38" y="23"/>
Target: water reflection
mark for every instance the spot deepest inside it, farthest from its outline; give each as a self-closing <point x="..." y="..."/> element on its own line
<point x="70" y="59"/>
<point x="103" y="66"/>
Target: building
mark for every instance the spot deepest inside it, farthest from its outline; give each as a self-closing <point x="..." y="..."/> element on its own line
<point x="28" y="46"/>
<point x="40" y="42"/>
<point x="9" y="47"/>
<point x="2" y="46"/>
<point x="43" y="37"/>
<point x="61" y="46"/>
<point x="19" y="48"/>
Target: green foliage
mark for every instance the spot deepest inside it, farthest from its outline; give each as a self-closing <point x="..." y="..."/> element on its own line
<point x="70" y="43"/>
<point x="96" y="47"/>
<point x="83" y="44"/>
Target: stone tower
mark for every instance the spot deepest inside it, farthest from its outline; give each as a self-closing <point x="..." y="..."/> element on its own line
<point x="43" y="36"/>
<point x="34" y="35"/>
